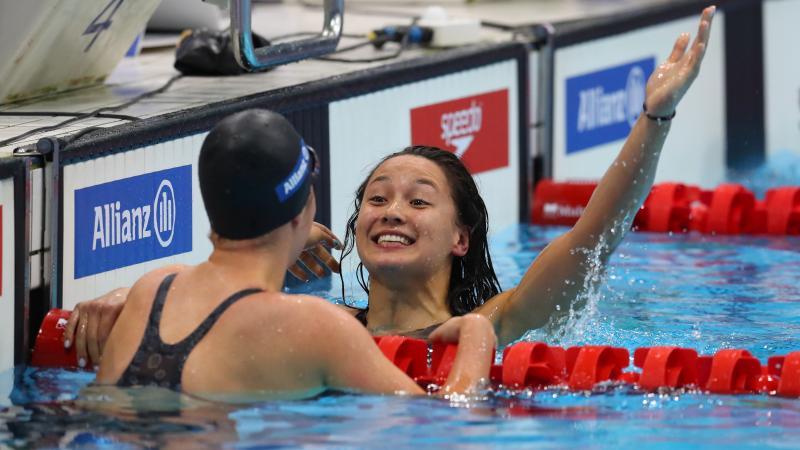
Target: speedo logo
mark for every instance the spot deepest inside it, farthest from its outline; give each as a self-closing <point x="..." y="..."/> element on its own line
<point x="133" y="220"/>
<point x="603" y="106"/>
<point x="459" y="127"/>
<point x="114" y="225"/>
<point x="474" y="128"/>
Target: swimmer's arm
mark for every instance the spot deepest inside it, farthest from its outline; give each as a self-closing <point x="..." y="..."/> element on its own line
<point x="476" y="341"/>
<point x="568" y="264"/>
<point x="620" y="193"/>
<point x="565" y="267"/>
<point x="354" y="363"/>
<point x="351" y="361"/>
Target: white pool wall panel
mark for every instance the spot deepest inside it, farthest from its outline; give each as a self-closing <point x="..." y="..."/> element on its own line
<point x="123" y="165"/>
<point x="781" y="75"/>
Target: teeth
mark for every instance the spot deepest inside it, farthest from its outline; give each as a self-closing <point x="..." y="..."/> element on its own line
<point x="394" y="238"/>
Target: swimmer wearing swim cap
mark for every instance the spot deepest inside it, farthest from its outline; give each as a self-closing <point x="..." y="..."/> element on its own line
<point x="224" y="329"/>
<point x="255" y="174"/>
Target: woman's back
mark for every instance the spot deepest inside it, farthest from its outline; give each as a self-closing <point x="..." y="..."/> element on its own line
<point x="249" y="348"/>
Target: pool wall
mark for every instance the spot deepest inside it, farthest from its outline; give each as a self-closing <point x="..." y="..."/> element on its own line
<point x="14" y="262"/>
<point x="129" y="199"/>
<point x="782" y="75"/>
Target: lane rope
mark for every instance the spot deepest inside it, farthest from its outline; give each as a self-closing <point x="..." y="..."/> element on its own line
<point x="536" y="365"/>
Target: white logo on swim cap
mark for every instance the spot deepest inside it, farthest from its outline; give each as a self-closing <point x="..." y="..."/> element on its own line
<point x="289" y="186"/>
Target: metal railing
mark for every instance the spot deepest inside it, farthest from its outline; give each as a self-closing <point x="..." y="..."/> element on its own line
<point x="252" y="59"/>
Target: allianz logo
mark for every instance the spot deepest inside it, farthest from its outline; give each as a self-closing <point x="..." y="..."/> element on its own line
<point x="598" y="108"/>
<point x="116" y="225"/>
<point x="558" y="210"/>
<point x="295" y="178"/>
<point x="459" y="127"/>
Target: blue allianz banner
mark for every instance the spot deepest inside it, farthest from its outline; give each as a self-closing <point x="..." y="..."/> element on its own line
<point x="133" y="220"/>
<point x="603" y="106"/>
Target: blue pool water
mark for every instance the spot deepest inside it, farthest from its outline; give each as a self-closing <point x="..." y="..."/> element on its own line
<point x="695" y="291"/>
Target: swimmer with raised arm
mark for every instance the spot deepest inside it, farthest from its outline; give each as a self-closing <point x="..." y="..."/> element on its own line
<point x="420" y="229"/>
<point x="224" y="327"/>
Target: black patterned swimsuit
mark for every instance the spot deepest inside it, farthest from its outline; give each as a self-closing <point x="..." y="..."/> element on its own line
<point x="157" y="363"/>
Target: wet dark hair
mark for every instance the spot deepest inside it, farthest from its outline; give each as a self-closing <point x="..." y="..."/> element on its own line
<point x="472" y="279"/>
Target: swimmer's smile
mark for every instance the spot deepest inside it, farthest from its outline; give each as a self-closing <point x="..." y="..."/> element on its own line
<point x="392" y="239"/>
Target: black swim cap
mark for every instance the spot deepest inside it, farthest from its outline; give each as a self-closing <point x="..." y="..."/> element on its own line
<point x="255" y="174"/>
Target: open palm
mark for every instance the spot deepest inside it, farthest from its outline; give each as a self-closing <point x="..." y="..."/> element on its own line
<point x="672" y="79"/>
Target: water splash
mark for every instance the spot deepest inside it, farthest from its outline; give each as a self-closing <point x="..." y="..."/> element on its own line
<point x="584" y="319"/>
<point x="583" y="322"/>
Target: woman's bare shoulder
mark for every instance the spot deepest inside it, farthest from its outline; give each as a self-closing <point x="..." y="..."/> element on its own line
<point x="302" y="319"/>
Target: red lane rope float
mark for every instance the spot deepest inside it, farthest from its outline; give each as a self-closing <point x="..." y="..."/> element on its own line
<point x="731" y="372"/>
<point x="731" y="205"/>
<point x="672" y="367"/>
<point x="594" y="364"/>
<point x="675" y="207"/>
<point x="560" y="203"/>
<point x="666" y="209"/>
<point x="533" y="364"/>
<point x="536" y="365"/>
<point x="784" y="205"/>
<point x="49" y="351"/>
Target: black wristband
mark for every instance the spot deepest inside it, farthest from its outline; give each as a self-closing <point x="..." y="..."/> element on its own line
<point x="658" y="119"/>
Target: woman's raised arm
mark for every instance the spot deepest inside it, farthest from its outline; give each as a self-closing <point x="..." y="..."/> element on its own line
<point x="564" y="267"/>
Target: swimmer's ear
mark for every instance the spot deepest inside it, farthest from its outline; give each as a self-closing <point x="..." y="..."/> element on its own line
<point x="461" y="245"/>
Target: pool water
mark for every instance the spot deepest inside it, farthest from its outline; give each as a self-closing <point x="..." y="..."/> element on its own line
<point x="703" y="292"/>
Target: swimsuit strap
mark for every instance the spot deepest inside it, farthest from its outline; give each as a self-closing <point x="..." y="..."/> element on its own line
<point x="157" y="363"/>
<point x="189" y="342"/>
<point x="154" y="320"/>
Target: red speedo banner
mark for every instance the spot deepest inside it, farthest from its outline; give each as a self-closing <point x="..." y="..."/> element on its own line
<point x="475" y="128"/>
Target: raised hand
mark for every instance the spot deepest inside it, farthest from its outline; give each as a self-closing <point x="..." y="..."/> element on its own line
<point x="317" y="253"/>
<point x="672" y="79"/>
